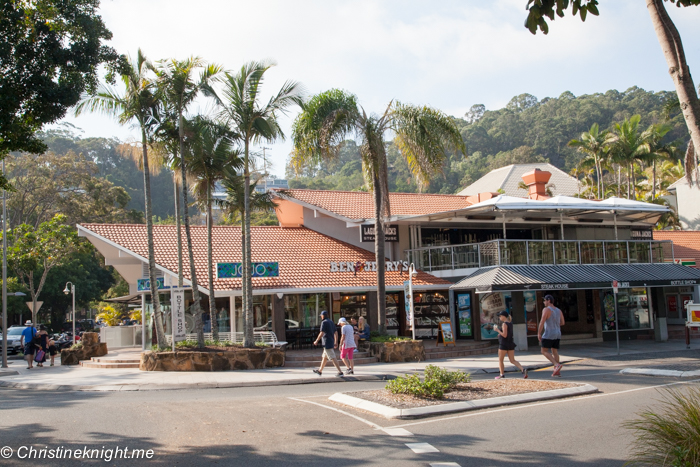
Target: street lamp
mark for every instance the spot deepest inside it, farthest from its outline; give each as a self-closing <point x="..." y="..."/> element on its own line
<point x="72" y="291"/>
<point x="4" y="320"/>
<point x="412" y="272"/>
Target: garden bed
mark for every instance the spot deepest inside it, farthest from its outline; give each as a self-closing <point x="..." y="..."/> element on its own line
<point x="462" y="392"/>
<point x="212" y="358"/>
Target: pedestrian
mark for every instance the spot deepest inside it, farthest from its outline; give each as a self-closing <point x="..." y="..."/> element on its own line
<point x="43" y="343"/>
<point x="347" y="345"/>
<point x="27" y="342"/>
<point x="53" y="350"/>
<point x="363" y="329"/>
<point x="506" y="345"/>
<point x="327" y="338"/>
<point x="549" y="332"/>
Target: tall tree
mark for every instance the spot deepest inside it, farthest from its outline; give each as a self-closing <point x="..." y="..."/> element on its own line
<point x="671" y="45"/>
<point x="594" y="143"/>
<point x="212" y="154"/>
<point x="241" y="109"/>
<point x="627" y="145"/>
<point x="49" y="55"/>
<point x="422" y="134"/>
<point x="138" y="104"/>
<point x="654" y="150"/>
<point x="180" y="85"/>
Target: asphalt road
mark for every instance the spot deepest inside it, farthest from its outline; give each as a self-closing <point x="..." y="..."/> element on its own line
<point x="297" y="425"/>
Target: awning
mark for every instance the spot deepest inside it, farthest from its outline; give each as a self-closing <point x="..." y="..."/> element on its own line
<point x="133" y="299"/>
<point x="580" y="276"/>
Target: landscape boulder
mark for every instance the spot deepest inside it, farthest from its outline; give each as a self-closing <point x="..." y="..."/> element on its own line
<point x="89" y="347"/>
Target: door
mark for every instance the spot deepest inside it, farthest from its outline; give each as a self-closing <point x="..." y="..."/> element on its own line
<point x="673" y="309"/>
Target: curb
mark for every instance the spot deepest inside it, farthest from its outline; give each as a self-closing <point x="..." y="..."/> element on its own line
<point x="8" y="373"/>
<point x="393" y="413"/>
<point x="655" y="372"/>
<point x="171" y="387"/>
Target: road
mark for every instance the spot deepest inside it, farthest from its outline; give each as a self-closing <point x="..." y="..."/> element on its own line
<point x="297" y="425"/>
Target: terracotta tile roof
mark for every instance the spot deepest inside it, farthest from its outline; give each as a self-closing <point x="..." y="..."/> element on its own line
<point x="686" y="243"/>
<point x="304" y="256"/>
<point x="360" y="204"/>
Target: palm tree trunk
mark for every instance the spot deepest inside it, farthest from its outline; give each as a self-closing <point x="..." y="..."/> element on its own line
<point x="210" y="270"/>
<point x="178" y="227"/>
<point x="248" y="338"/>
<point x="653" y="184"/>
<point x="629" y="177"/>
<point x="602" y="181"/>
<point x="196" y="307"/>
<point x="597" y="171"/>
<point x="619" y="179"/>
<point x="672" y="47"/>
<point x="379" y="255"/>
<point x="155" y="299"/>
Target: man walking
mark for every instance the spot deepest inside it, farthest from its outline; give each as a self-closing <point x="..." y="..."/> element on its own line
<point x="27" y="342"/>
<point x="327" y="338"/>
<point x="347" y="345"/>
<point x="549" y="332"/>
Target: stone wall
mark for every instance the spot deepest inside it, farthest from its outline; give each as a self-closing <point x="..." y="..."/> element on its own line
<point x="91" y="347"/>
<point x="225" y="360"/>
<point x="399" y="351"/>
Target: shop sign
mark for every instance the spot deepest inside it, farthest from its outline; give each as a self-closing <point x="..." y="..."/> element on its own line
<point x="641" y="234"/>
<point x="391" y="233"/>
<point x="685" y="282"/>
<point x="693" y="314"/>
<point x="361" y="266"/>
<point x="234" y="270"/>
<point x="554" y="286"/>
<point x="144" y="285"/>
<point x="177" y="300"/>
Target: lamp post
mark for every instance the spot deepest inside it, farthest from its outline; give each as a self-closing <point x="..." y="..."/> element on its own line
<point x="4" y="318"/>
<point x="412" y="272"/>
<point x="71" y="291"/>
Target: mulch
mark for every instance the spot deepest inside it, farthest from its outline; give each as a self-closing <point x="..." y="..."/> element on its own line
<point x="463" y="392"/>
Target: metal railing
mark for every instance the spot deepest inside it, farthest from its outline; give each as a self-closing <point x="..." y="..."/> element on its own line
<point x="533" y="252"/>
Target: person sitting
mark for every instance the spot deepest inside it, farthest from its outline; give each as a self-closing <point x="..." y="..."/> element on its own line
<point x="363" y="329"/>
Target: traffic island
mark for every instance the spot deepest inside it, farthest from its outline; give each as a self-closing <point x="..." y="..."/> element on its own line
<point x="398" y="351"/>
<point x="464" y="397"/>
<point x="212" y="359"/>
<point x="89" y="346"/>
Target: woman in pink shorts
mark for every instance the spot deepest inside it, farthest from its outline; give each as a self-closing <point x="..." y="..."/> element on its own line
<point x="347" y="345"/>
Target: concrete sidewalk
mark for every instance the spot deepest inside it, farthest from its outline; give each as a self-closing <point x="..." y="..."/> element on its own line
<point x="86" y="379"/>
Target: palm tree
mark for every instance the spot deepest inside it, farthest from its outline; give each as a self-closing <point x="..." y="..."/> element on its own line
<point x="594" y="144"/>
<point x="138" y="103"/>
<point x="422" y="134"/>
<point x="254" y="123"/>
<point x="180" y="87"/>
<point x="212" y="154"/>
<point x="627" y="145"/>
<point x="653" y="149"/>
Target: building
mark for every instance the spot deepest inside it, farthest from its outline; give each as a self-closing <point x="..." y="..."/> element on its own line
<point x="686" y="201"/>
<point x="478" y="255"/>
<point x="508" y="179"/>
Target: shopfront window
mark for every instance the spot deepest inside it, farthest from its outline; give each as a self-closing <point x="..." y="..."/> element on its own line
<point x="293" y="318"/>
<point x="310" y="308"/>
<point x="632" y="309"/>
<point x="352" y="306"/>
<point x="393" y="301"/>
<point x="430" y="308"/>
<point x="490" y="305"/>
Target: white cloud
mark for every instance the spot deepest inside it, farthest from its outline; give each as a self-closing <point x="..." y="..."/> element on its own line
<point x="448" y="54"/>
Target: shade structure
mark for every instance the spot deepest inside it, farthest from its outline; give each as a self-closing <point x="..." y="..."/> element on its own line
<point x="582" y="276"/>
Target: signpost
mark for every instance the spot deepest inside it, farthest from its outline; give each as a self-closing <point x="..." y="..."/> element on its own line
<point x="617" y="323"/>
<point x="693" y="313"/>
<point x="177" y="304"/>
<point x="408" y="298"/>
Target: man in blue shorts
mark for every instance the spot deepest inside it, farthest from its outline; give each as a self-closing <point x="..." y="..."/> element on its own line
<point x="327" y="337"/>
<point x="27" y="342"/>
<point x="549" y="332"/>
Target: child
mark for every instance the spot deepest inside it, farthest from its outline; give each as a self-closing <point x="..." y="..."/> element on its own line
<point x="506" y="345"/>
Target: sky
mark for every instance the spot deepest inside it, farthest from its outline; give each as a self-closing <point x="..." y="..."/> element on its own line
<point x="448" y="54"/>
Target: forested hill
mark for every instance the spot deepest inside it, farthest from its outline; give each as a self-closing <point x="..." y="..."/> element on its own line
<point x="526" y="130"/>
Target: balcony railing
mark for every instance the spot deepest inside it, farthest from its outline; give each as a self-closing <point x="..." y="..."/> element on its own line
<point x="532" y="252"/>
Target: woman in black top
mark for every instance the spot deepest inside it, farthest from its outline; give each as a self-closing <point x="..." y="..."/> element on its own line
<point x="43" y="337"/>
<point x="506" y="344"/>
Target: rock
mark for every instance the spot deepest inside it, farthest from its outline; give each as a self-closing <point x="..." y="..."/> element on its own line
<point x="398" y="351"/>
<point x="91" y="347"/>
<point x="236" y="359"/>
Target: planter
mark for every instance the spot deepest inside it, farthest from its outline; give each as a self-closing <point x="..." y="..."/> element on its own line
<point x="399" y="351"/>
<point x="91" y="348"/>
<point x="225" y="360"/>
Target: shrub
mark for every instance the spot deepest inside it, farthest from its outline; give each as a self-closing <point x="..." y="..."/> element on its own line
<point x="436" y="383"/>
<point x="668" y="435"/>
<point x="376" y="337"/>
<point x="77" y="345"/>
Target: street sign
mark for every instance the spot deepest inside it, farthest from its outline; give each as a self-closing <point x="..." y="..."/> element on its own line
<point x="615" y="288"/>
<point x="693" y="310"/>
<point x="177" y="301"/>
<point x="38" y="305"/>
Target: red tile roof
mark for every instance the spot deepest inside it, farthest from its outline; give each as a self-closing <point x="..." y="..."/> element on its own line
<point x="360" y="204"/>
<point x="304" y="256"/>
<point x="686" y="243"/>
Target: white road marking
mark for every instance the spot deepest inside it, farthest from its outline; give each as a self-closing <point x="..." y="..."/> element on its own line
<point x="444" y="464"/>
<point x="397" y="432"/>
<point x="373" y="425"/>
<point x="535" y="404"/>
<point x="421" y="448"/>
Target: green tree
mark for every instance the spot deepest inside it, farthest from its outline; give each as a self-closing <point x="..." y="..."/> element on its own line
<point x="654" y="150"/>
<point x="212" y="153"/>
<point x="627" y="145"/>
<point x="423" y="135"/>
<point x="50" y="53"/>
<point x="671" y="45"/>
<point x="32" y="253"/>
<point x="179" y="87"/>
<point x="239" y="101"/>
<point x="138" y="104"/>
<point x="595" y="144"/>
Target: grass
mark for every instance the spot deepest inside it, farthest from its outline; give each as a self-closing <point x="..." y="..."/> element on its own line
<point x="670" y="434"/>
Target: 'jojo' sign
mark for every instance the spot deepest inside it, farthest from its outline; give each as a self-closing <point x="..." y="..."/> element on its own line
<point x="144" y="285"/>
<point x="235" y="270"/>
